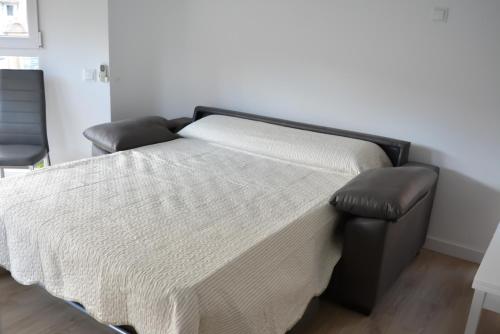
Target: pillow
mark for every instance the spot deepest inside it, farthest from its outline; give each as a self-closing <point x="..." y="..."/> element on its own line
<point x="337" y="154"/>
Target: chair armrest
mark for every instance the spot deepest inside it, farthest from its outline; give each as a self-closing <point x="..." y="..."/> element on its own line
<point x="385" y="193"/>
<point x="129" y="134"/>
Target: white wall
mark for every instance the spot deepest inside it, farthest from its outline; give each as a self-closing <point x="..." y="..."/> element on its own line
<point x="75" y="35"/>
<point x="381" y="67"/>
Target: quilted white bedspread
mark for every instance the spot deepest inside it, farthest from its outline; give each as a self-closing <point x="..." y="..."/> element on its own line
<point x="184" y="237"/>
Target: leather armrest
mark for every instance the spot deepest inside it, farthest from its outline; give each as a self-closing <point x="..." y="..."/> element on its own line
<point x="420" y="164"/>
<point x="129" y="134"/>
<point x="385" y="193"/>
<point x="177" y="124"/>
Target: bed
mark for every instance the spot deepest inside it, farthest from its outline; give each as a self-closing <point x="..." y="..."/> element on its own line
<point x="227" y="229"/>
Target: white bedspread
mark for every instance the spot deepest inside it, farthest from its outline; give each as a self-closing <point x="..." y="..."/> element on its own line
<point x="178" y="238"/>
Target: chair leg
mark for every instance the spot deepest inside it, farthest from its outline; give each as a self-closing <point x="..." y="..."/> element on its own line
<point x="2" y="173"/>
<point x="46" y="161"/>
<point x="31" y="167"/>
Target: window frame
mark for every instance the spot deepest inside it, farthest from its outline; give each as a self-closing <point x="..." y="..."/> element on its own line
<point x="34" y="40"/>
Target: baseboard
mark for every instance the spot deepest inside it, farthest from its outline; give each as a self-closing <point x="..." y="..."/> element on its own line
<point x="453" y="249"/>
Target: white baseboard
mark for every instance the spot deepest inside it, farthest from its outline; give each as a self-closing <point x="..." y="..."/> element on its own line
<point x="453" y="249"/>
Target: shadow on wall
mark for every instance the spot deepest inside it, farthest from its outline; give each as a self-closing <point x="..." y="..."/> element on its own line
<point x="465" y="208"/>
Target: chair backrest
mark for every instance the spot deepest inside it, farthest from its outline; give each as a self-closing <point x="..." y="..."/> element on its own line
<point x="22" y="108"/>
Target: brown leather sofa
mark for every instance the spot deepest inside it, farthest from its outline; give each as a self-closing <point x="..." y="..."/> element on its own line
<point x="384" y="214"/>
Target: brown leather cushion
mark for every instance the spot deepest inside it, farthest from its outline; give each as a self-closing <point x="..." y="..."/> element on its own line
<point x="129" y="134"/>
<point x="385" y="193"/>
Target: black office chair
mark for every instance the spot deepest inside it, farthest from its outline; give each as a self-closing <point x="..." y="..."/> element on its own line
<point x="23" y="130"/>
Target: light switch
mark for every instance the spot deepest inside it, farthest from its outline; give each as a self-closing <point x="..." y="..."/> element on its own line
<point x="89" y="74"/>
<point x="440" y="14"/>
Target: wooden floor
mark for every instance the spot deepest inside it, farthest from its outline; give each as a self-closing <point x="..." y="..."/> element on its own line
<point x="432" y="296"/>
